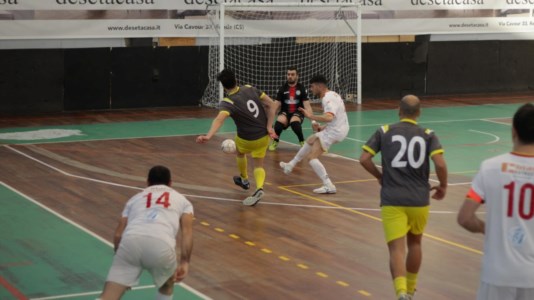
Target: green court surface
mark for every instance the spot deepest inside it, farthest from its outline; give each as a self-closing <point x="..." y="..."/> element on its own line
<point x="469" y="134"/>
<point x="44" y="256"/>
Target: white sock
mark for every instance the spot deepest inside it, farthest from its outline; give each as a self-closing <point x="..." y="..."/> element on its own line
<point x="160" y="296"/>
<point x="319" y="169"/>
<point x="304" y="150"/>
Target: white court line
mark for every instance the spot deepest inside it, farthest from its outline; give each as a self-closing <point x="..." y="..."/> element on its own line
<point x="497" y="122"/>
<point x="143" y="287"/>
<point x="496" y="138"/>
<point x="120" y="138"/>
<point x="441" y="121"/>
<point x="195" y="196"/>
<point x="356" y="140"/>
<point x="89" y="232"/>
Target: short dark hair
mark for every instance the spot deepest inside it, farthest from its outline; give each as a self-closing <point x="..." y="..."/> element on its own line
<point x="227" y="78"/>
<point x="524" y="123"/>
<point x="159" y="175"/>
<point x="319" y="79"/>
<point x="293" y="68"/>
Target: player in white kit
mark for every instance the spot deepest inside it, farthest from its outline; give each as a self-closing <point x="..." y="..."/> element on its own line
<point x="334" y="131"/>
<point x="146" y="238"/>
<point x="505" y="183"/>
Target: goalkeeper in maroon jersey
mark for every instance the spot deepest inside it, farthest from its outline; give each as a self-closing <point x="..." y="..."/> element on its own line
<point x="290" y="97"/>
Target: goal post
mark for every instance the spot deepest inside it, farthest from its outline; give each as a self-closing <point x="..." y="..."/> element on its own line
<point x="259" y="41"/>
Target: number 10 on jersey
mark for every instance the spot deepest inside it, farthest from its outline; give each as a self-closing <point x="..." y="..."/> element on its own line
<point x="525" y="209"/>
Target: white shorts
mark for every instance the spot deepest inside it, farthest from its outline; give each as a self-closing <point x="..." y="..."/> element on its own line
<point x="138" y="253"/>
<point x="328" y="138"/>
<point x="493" y="292"/>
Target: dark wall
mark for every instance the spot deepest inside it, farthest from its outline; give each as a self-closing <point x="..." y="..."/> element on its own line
<point x="31" y="80"/>
<point x="80" y="79"/>
<point x="393" y="69"/>
<point x="464" y="67"/>
<point x="85" y="79"/>
<point x="87" y="82"/>
<point x="155" y="77"/>
<point x="484" y="66"/>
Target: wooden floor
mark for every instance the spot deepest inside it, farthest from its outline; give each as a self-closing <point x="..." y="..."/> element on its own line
<point x="294" y="245"/>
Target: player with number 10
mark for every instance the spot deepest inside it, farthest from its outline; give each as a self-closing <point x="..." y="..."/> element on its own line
<point x="404" y="198"/>
<point x="505" y="184"/>
<point x="253" y="113"/>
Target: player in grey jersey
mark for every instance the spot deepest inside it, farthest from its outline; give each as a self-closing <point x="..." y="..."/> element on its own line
<point x="404" y="197"/>
<point x="245" y="105"/>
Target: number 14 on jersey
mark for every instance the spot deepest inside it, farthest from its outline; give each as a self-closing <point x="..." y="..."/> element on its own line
<point x="163" y="199"/>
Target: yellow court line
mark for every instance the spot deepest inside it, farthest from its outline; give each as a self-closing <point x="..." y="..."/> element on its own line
<point x="337" y="182"/>
<point x="342" y="283"/>
<point x="281" y="257"/>
<point x="234" y="236"/>
<point x="330" y="203"/>
<point x="380" y="220"/>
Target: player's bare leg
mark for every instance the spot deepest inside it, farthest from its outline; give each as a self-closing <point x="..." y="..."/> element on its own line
<point x="113" y="291"/>
<point x="397" y="266"/>
<point x="413" y="260"/>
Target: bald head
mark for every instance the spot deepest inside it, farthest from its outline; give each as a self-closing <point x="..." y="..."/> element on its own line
<point x="410" y="107"/>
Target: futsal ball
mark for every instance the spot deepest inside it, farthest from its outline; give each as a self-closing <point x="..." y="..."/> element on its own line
<point x="228" y="146"/>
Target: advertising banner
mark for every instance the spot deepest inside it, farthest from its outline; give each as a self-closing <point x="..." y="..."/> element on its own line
<point x="37" y="19"/>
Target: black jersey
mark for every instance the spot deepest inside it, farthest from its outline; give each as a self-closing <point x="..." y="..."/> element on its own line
<point x="292" y="97"/>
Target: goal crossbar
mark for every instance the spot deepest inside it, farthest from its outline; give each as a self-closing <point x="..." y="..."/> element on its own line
<point x="355" y="27"/>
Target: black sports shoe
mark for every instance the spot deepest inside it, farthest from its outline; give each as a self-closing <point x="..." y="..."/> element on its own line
<point x="239" y="181"/>
<point x="254" y="199"/>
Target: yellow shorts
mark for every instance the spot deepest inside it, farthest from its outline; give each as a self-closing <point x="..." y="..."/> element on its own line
<point x="256" y="148"/>
<point x="399" y="220"/>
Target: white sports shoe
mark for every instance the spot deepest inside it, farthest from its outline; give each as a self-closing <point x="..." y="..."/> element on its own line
<point x="254" y="199"/>
<point x="405" y="297"/>
<point x="286" y="167"/>
<point x="326" y="190"/>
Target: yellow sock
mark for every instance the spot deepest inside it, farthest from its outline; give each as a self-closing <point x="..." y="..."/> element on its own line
<point x="242" y="166"/>
<point x="400" y="285"/>
<point x="259" y="175"/>
<point x="411" y="282"/>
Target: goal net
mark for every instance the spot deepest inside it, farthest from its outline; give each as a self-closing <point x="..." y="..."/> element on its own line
<point x="260" y="41"/>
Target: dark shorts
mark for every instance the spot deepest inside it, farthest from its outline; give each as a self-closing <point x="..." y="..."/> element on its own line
<point x="290" y="115"/>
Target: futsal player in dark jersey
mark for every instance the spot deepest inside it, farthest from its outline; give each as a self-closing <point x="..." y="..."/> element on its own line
<point x="291" y="96"/>
<point x="406" y="150"/>
<point x="253" y="114"/>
